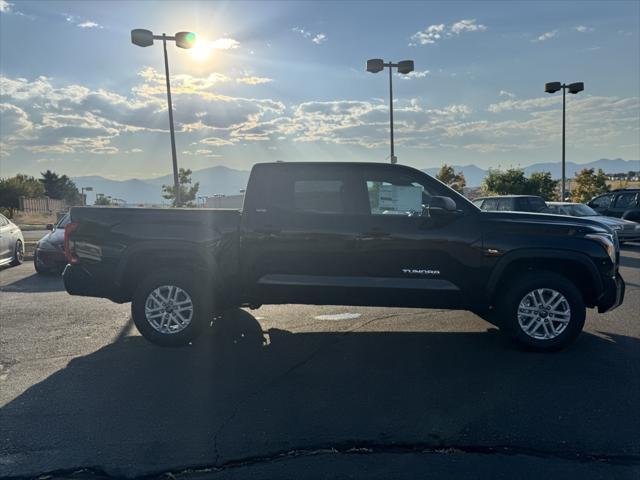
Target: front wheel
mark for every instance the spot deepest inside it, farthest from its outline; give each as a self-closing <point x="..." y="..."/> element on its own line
<point x="542" y="311"/>
<point x="170" y="308"/>
<point x="18" y="254"/>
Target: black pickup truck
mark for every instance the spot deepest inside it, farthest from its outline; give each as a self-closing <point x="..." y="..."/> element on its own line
<point x="345" y="234"/>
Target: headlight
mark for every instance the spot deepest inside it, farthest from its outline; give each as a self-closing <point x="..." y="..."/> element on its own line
<point x="637" y="227"/>
<point x="607" y="241"/>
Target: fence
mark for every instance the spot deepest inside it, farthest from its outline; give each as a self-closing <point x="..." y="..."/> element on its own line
<point x="41" y="205"/>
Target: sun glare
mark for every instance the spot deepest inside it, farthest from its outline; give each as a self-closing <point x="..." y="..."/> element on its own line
<point x="201" y="50"/>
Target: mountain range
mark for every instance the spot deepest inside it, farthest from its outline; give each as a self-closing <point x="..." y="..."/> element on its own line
<point x="228" y="181"/>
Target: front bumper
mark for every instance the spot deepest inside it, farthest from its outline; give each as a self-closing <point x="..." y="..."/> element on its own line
<point x="612" y="295"/>
<point x="53" y="259"/>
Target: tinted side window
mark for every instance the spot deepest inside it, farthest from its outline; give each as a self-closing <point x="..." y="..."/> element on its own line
<point x="490" y="204"/>
<point x="319" y="196"/>
<point x="601" y="202"/>
<point x="537" y="204"/>
<point x="478" y="203"/>
<point x="625" y="200"/>
<point x="504" y="204"/>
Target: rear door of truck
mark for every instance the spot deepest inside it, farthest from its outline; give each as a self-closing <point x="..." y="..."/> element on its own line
<point x="300" y="229"/>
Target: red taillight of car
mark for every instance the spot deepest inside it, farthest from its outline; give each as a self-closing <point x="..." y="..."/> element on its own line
<point x="68" y="230"/>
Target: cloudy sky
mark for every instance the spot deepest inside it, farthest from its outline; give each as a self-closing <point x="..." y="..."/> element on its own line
<point x="286" y="81"/>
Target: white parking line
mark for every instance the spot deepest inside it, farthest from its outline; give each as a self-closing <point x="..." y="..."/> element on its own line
<point x="338" y="316"/>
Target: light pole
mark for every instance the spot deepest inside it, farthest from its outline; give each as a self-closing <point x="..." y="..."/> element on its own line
<point x="85" y="189"/>
<point x="145" y="38"/>
<point x="574" y="88"/>
<point x="375" y="65"/>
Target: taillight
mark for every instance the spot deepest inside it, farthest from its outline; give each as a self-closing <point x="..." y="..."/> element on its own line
<point x="68" y="230"/>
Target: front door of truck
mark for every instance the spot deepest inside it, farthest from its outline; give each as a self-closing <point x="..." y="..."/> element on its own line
<point x="413" y="255"/>
<point x="300" y="234"/>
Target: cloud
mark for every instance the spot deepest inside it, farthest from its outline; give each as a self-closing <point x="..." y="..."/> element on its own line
<point x="316" y="38"/>
<point x="583" y="29"/>
<point x="42" y="117"/>
<point x="429" y="35"/>
<point x="319" y="38"/>
<point x="546" y="36"/>
<point x="415" y="74"/>
<point x="433" y="33"/>
<point x="466" y="26"/>
<point x="5" y="7"/>
<point x="225" y="43"/>
<point x="252" y="80"/>
<point x="504" y="93"/>
<point x="79" y="22"/>
<point x="89" y="24"/>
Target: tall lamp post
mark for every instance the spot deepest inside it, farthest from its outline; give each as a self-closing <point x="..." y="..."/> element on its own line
<point x="145" y="38"/>
<point x="573" y="88"/>
<point x="85" y="189"/>
<point x="375" y="65"/>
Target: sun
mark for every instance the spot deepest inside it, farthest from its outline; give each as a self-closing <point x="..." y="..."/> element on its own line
<point x="201" y="50"/>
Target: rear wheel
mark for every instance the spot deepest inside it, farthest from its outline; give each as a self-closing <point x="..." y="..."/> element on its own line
<point x="18" y="254"/>
<point x="542" y="311"/>
<point x="170" y="308"/>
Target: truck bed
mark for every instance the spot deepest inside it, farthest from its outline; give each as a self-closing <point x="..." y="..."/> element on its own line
<point x="115" y="243"/>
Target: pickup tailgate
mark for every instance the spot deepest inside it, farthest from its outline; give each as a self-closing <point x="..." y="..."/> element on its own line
<point x="110" y="248"/>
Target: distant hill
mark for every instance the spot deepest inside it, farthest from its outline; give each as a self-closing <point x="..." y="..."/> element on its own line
<point x="213" y="180"/>
<point x="475" y="175"/>
<point x="228" y="181"/>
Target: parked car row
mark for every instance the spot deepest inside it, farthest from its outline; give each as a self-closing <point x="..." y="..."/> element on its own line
<point x="613" y="205"/>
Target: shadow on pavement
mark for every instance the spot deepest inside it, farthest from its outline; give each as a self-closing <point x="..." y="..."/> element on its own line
<point x="133" y="408"/>
<point x="36" y="283"/>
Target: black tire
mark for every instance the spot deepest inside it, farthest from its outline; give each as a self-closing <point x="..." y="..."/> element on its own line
<point x="37" y="265"/>
<point x="200" y="314"/>
<point x="18" y="254"/>
<point x="508" y="310"/>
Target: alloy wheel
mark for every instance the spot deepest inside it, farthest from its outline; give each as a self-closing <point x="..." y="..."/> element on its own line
<point x="169" y="309"/>
<point x="544" y="314"/>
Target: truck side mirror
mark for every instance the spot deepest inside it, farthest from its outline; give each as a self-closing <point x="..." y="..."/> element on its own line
<point x="49" y="226"/>
<point x="441" y="205"/>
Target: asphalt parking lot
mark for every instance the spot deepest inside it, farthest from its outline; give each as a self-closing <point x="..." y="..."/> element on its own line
<point x="307" y="392"/>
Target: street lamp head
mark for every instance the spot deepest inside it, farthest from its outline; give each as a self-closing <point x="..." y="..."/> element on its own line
<point x="576" y="87"/>
<point x="405" y="66"/>
<point x="552" y="87"/>
<point x="185" y="39"/>
<point x="375" y="65"/>
<point x="141" y="37"/>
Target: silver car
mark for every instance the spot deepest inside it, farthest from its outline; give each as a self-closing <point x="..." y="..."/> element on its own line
<point x="11" y="243"/>
<point x="627" y="231"/>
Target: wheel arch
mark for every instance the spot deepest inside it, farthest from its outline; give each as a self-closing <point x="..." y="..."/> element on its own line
<point x="144" y="258"/>
<point x="576" y="266"/>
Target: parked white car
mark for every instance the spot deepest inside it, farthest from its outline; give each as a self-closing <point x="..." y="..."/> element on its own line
<point x="11" y="243"/>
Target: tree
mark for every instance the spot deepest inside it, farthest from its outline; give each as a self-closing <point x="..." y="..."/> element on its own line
<point x="11" y="189"/>
<point x="448" y="176"/>
<point x="188" y="192"/>
<point x="541" y="183"/>
<point x="511" y="182"/>
<point x="60" y="187"/>
<point x="103" y="200"/>
<point x="588" y="184"/>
